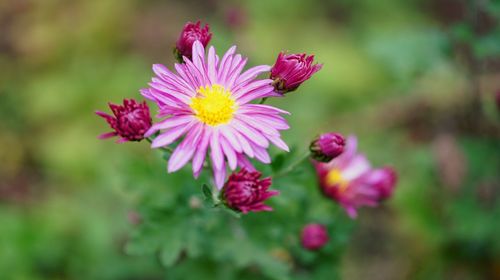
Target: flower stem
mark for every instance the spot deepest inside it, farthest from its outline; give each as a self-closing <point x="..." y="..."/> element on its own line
<point x="263" y="100"/>
<point x="292" y="166"/>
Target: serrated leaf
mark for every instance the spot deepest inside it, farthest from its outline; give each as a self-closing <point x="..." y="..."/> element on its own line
<point x="172" y="248"/>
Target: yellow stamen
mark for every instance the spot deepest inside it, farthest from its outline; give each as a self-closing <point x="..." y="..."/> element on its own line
<point x="334" y="179"/>
<point x="213" y="105"/>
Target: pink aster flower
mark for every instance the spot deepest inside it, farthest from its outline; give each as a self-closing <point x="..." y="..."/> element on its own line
<point x="350" y="180"/>
<point x="291" y="70"/>
<point x="130" y="121"/>
<point x="314" y="236"/>
<point x="327" y="146"/>
<point x="208" y="102"/>
<point x="245" y="192"/>
<point x="190" y="33"/>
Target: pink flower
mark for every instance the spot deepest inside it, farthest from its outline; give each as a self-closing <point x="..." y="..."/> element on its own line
<point x="383" y="179"/>
<point x="244" y="192"/>
<point x="291" y="70"/>
<point x="208" y="102"/>
<point x="327" y="146"/>
<point x="314" y="236"/>
<point x="190" y="33"/>
<point x="350" y="180"/>
<point x="130" y="121"/>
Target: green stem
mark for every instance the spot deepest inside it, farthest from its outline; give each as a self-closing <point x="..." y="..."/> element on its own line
<point x="292" y="166"/>
<point x="263" y="100"/>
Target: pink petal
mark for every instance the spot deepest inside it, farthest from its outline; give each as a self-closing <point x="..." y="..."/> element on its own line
<point x="220" y="176"/>
<point x="185" y="150"/>
<point x="250" y="133"/>
<point x="167" y="137"/>
<point x="199" y="56"/>
<point x="262" y="155"/>
<point x="243" y="162"/>
<point x="261" y="108"/>
<point x="169" y="123"/>
<point x="251" y="73"/>
<point x="229" y="152"/>
<point x="107" y="135"/>
<point x="245" y="146"/>
<point x="235" y="73"/>
<point x="201" y="151"/>
<point x="216" y="152"/>
<point x="260" y="126"/>
<point x="234" y="64"/>
<point x="212" y="75"/>
<point x="225" y="64"/>
<point x="278" y="142"/>
<point x="231" y="138"/>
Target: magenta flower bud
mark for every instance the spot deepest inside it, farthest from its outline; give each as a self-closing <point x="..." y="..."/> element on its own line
<point x="190" y="33"/>
<point x="291" y="70"/>
<point x="244" y="192"/>
<point x="130" y="121"/>
<point x="314" y="236"/>
<point x="327" y="146"/>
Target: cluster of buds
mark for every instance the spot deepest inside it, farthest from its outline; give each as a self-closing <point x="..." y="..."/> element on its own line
<point x="344" y="175"/>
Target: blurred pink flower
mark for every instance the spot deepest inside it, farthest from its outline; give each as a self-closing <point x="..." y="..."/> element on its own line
<point x="327" y="146"/>
<point x="314" y="236"/>
<point x="190" y="33"/>
<point x="244" y="192"/>
<point x="208" y="101"/>
<point x="350" y="180"/>
<point x="291" y="70"/>
<point x="130" y="121"/>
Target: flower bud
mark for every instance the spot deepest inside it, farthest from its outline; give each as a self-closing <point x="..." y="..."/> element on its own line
<point x="130" y="121"/>
<point x="291" y="70"/>
<point x="327" y="146"/>
<point x="244" y="192"/>
<point x="314" y="236"/>
<point x="190" y="33"/>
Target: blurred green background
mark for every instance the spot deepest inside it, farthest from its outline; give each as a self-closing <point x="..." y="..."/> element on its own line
<point x="415" y="80"/>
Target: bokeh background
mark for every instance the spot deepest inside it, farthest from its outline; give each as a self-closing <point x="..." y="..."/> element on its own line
<point x="415" y="80"/>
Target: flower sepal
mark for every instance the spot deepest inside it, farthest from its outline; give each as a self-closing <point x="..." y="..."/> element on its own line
<point x="215" y="200"/>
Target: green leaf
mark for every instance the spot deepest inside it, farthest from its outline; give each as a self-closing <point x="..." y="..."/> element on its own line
<point x="278" y="163"/>
<point x="231" y="212"/>
<point x="207" y="193"/>
<point x="172" y="248"/>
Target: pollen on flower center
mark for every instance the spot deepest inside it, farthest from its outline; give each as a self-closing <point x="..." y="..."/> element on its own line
<point x="213" y="105"/>
<point x="334" y="178"/>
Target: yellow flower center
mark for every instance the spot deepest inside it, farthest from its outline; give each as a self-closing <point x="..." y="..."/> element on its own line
<point x="334" y="179"/>
<point x="213" y="105"/>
